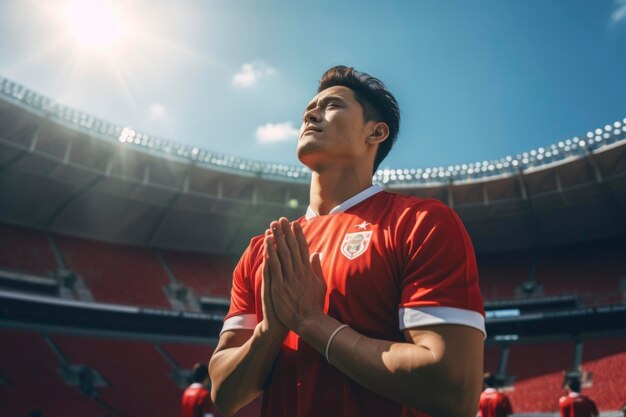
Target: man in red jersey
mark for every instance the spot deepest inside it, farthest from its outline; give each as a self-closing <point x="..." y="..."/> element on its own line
<point x="575" y="404"/>
<point x="366" y="306"/>
<point x="196" y="400"/>
<point x="492" y="402"/>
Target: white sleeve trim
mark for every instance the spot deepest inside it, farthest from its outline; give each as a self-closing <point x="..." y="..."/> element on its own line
<point x="241" y="321"/>
<point x="427" y="316"/>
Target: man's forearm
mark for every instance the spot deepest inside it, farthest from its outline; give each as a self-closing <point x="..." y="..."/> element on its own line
<point x="409" y="373"/>
<point x="239" y="374"/>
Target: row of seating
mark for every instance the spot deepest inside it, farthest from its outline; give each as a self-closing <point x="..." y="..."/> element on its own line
<point x="132" y="275"/>
<point x="137" y="375"/>
<point x="115" y="273"/>
<point x="535" y="372"/>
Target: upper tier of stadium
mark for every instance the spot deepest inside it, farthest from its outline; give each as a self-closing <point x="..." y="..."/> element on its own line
<point x="564" y="150"/>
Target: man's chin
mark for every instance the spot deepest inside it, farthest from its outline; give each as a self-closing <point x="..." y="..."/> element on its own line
<point x="308" y="151"/>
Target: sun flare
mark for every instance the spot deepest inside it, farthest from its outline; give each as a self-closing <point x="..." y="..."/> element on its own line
<point x="97" y="24"/>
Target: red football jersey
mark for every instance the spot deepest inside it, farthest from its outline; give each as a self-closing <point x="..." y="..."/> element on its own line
<point x="494" y="404"/>
<point x="196" y="402"/>
<point x="576" y="405"/>
<point x="391" y="262"/>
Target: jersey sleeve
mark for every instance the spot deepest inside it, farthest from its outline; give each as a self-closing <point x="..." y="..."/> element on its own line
<point x="440" y="279"/>
<point x="242" y="312"/>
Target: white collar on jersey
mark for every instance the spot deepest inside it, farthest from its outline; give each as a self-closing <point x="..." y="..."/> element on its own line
<point x="574" y="394"/>
<point x="195" y="385"/>
<point x="490" y="390"/>
<point x="352" y="201"/>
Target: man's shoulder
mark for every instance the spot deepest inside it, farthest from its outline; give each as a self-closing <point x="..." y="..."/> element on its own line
<point x="586" y="399"/>
<point x="408" y="202"/>
<point x="196" y="390"/>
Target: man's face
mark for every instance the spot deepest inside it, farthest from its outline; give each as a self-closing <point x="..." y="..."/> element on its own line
<point x="333" y="130"/>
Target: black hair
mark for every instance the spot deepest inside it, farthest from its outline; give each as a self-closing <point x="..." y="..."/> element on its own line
<point x="574" y="384"/>
<point x="199" y="372"/>
<point x="490" y="380"/>
<point x="377" y="102"/>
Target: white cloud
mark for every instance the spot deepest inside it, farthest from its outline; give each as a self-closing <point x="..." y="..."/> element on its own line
<point x="251" y="73"/>
<point x="157" y="111"/>
<point x="276" y="132"/>
<point x="619" y="14"/>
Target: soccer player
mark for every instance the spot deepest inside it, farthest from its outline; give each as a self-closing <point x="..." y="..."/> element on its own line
<point x="369" y="304"/>
<point x="575" y="404"/>
<point x="493" y="403"/>
<point x="196" y="400"/>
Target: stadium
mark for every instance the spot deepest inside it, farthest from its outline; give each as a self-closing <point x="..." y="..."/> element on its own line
<point x="116" y="249"/>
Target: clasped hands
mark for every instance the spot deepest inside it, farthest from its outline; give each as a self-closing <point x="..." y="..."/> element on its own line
<point x="293" y="288"/>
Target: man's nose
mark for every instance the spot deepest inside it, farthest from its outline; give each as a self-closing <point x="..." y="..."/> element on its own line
<point x="312" y="117"/>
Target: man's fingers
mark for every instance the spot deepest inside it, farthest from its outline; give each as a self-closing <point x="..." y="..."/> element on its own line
<point x="316" y="264"/>
<point x="274" y="265"/>
<point x="282" y="251"/>
<point x="292" y="244"/>
<point x="303" y="246"/>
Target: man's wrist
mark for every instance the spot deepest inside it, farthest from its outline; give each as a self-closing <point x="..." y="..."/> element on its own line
<point x="265" y="330"/>
<point x="317" y="329"/>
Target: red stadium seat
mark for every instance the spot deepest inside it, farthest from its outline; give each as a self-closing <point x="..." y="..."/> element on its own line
<point x="538" y="369"/>
<point x="138" y="377"/>
<point x="605" y="359"/>
<point x="206" y="275"/>
<point x="25" y="250"/>
<point x="32" y="381"/>
<point x="117" y="273"/>
<point x="501" y="274"/>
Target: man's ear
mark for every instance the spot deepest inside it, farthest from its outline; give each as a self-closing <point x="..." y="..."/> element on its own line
<point x="379" y="132"/>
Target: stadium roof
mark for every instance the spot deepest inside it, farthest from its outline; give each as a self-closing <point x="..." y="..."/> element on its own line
<point x="575" y="147"/>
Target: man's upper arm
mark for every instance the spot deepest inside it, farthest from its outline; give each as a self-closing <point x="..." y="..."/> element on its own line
<point x="232" y="338"/>
<point x="458" y="354"/>
<point x="458" y="347"/>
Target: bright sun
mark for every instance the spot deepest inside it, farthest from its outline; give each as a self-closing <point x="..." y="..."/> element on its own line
<point x="96" y="24"/>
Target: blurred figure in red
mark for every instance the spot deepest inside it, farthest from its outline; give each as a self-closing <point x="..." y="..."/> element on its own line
<point x="197" y="398"/>
<point x="492" y="402"/>
<point x="576" y="405"/>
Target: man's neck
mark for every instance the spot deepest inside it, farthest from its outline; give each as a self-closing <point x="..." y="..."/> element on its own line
<point x="332" y="187"/>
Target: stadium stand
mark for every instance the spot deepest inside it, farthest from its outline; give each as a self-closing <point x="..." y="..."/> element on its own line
<point x="206" y="275"/>
<point x="32" y="380"/>
<point x="538" y="371"/>
<point x="492" y="358"/>
<point x="605" y="362"/>
<point x="592" y="271"/>
<point x="186" y="355"/>
<point x="117" y="273"/>
<point x="133" y="370"/>
<point x="501" y="275"/>
<point x="25" y="250"/>
<point x="132" y="377"/>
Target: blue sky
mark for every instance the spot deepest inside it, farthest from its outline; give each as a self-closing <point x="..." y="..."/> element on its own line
<point x="475" y="80"/>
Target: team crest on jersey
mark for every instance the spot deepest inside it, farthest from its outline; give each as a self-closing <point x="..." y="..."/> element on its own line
<point x="355" y="244"/>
